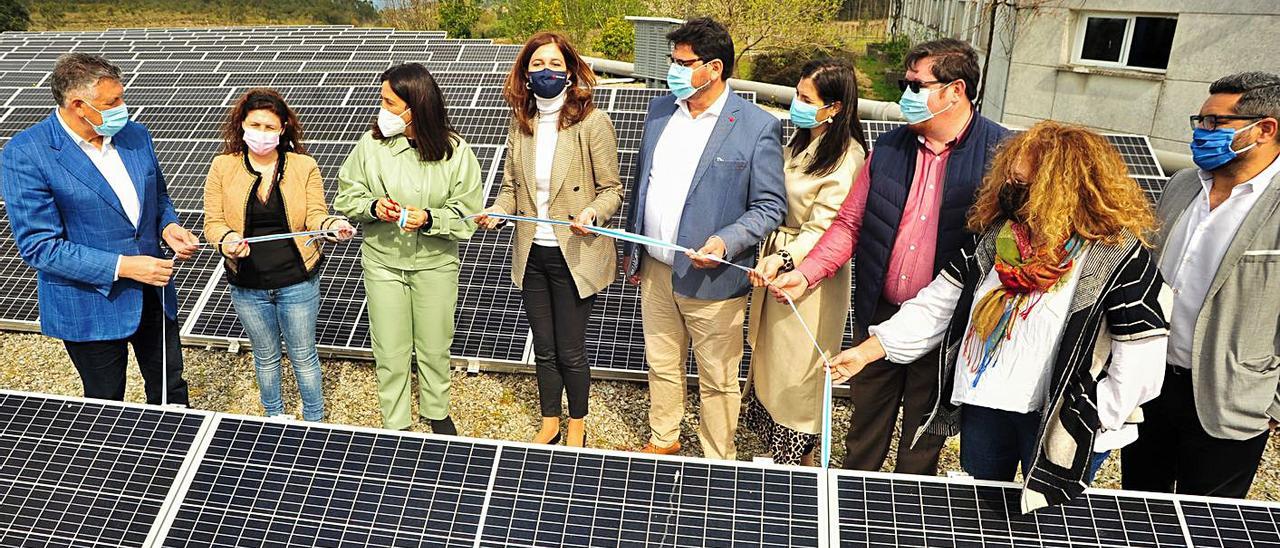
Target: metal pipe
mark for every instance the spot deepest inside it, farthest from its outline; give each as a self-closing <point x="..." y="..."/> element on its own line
<point x="1171" y="162"/>
<point x="782" y="95"/>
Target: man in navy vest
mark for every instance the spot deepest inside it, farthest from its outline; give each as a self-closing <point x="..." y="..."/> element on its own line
<point x="904" y="217"/>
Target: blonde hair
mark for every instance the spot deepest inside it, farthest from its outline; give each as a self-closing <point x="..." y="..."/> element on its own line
<point x="1078" y="184"/>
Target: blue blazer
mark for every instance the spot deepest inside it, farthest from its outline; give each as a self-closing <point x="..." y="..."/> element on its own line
<point x="70" y="227"/>
<point x="738" y="193"/>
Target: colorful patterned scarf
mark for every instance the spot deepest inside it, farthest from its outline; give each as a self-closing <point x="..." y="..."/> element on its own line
<point x="1024" y="279"/>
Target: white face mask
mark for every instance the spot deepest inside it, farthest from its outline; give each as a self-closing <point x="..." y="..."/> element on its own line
<point x="390" y="123"/>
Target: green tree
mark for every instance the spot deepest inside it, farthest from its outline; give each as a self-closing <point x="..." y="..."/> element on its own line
<point x="617" y="39"/>
<point x="459" y="17"/>
<point x="14" y="15"/>
<point x="763" y="26"/>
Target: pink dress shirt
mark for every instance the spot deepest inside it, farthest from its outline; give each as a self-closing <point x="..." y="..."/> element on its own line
<point x="914" y="247"/>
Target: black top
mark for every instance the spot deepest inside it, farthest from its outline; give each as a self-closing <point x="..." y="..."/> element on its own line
<point x="277" y="263"/>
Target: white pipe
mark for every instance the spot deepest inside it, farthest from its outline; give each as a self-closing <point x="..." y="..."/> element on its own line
<point x="867" y="109"/>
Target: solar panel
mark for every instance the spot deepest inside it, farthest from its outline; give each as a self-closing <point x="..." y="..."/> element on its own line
<point x="83" y="473"/>
<point x="1222" y="523"/>
<point x="876" y="509"/>
<point x="88" y="473"/>
<point x="17" y="282"/>
<point x="546" y="497"/>
<point x="261" y="482"/>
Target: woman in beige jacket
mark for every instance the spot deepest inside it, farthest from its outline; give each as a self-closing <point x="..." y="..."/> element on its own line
<point x="562" y="163"/>
<point x="264" y="184"/>
<point x="783" y="399"/>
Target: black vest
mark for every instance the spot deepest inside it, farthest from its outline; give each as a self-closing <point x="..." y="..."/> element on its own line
<point x="893" y="165"/>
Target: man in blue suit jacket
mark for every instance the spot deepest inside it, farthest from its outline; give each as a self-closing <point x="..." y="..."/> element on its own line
<point x="709" y="178"/>
<point x="88" y="207"/>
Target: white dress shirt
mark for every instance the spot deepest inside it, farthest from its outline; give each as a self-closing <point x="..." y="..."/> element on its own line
<point x="546" y="136"/>
<point x="675" y="160"/>
<point x="1195" y="248"/>
<point x="1019" y="379"/>
<point x="111" y="166"/>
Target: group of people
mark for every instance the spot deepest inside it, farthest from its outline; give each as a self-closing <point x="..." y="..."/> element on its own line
<point x="1016" y="289"/>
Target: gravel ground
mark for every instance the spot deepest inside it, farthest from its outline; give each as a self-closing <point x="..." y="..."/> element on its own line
<point x="496" y="406"/>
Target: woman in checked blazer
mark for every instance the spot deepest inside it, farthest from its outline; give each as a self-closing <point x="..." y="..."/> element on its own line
<point x="562" y="164"/>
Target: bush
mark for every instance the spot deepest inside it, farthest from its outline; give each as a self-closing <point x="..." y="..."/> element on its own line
<point x="783" y="68"/>
<point x="617" y="39"/>
<point x="14" y="15"/>
<point x="458" y="17"/>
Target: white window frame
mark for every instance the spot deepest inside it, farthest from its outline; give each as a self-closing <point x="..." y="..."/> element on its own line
<point x="1082" y="23"/>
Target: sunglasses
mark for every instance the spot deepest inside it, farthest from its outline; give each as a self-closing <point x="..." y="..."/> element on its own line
<point x="915" y="85"/>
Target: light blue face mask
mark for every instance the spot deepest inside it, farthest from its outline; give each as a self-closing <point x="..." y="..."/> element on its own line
<point x="805" y="116"/>
<point x="680" y="80"/>
<point x="113" y="119"/>
<point x="915" y="105"/>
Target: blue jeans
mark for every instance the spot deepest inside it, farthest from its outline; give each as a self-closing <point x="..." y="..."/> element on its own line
<point x="993" y="443"/>
<point x="1094" y="465"/>
<point x="269" y="314"/>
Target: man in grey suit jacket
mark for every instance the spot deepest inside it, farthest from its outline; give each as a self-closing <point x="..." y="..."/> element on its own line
<point x="709" y="178"/>
<point x="1220" y="251"/>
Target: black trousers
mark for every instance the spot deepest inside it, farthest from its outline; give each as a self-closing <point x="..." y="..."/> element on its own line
<point x="558" y="319"/>
<point x="876" y="395"/>
<point x="1174" y="454"/>
<point x="102" y="363"/>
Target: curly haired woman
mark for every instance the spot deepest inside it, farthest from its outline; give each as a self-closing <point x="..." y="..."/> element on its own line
<point x="1060" y="333"/>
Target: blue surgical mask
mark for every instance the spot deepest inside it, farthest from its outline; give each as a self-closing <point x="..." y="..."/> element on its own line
<point x="804" y="115"/>
<point x="113" y="119"/>
<point x="680" y="80"/>
<point x="1211" y="148"/>
<point x="548" y="84"/>
<point x="915" y="105"/>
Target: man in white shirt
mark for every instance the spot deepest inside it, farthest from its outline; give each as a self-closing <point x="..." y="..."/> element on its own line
<point x="89" y="210"/>
<point x="708" y="178"/>
<point x="1220" y="252"/>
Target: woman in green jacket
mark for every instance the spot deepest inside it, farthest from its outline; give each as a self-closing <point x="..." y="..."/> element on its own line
<point x="412" y="181"/>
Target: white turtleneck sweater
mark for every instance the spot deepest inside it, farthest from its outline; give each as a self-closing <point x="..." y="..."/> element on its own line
<point x="546" y="134"/>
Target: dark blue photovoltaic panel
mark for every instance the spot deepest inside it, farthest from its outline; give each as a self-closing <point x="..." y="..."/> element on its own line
<point x="543" y="497"/>
<point x="292" y="484"/>
<point x="877" y="510"/>
<point x="77" y="473"/>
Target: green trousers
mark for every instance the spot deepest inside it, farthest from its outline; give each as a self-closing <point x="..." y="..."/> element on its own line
<point x="411" y="311"/>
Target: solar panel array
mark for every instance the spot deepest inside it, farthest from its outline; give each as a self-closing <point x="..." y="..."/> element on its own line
<point x="93" y="473"/>
<point x="180" y="83"/>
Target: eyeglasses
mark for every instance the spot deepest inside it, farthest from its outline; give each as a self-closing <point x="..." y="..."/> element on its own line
<point x="915" y="85"/>
<point x="686" y="63"/>
<point x="1214" y="121"/>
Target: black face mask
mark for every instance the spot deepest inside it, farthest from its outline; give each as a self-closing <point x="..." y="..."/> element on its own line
<point x="1012" y="198"/>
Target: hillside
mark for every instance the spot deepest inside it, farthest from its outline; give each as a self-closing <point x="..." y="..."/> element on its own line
<point x="100" y="14"/>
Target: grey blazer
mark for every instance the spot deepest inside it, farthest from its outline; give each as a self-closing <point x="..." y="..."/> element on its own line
<point x="1236" y="348"/>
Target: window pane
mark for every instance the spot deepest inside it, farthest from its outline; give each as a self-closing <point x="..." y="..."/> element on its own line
<point x="1152" y="40"/>
<point x="1103" y="39"/>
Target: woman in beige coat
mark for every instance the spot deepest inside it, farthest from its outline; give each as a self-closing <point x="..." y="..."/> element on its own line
<point x="264" y="184"/>
<point x="784" y="387"/>
<point x="562" y="164"/>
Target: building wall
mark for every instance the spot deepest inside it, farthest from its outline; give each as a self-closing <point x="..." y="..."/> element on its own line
<point x="1213" y="38"/>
